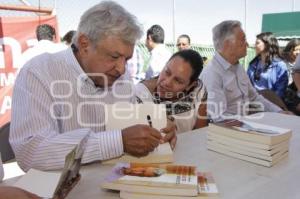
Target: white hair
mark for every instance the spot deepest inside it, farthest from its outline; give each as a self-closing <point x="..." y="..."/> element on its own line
<point x="224" y="31"/>
<point x="108" y="18"/>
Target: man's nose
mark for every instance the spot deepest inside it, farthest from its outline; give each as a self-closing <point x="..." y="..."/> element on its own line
<point x="121" y="66"/>
<point x="167" y="82"/>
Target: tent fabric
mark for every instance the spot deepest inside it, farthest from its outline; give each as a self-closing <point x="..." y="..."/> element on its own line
<point x="283" y="25"/>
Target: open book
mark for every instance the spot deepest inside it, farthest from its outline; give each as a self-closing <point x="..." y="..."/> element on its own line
<point x="175" y="180"/>
<point x="55" y="185"/>
<point x="122" y="115"/>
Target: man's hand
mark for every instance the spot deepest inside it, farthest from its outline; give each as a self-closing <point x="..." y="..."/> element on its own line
<point x="139" y="140"/>
<point x="16" y="193"/>
<point x="170" y="132"/>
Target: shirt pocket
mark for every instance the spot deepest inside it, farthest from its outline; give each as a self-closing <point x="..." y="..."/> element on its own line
<point x="232" y="92"/>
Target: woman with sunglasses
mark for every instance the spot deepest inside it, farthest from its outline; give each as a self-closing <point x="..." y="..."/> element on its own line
<point x="267" y="70"/>
<point x="179" y="88"/>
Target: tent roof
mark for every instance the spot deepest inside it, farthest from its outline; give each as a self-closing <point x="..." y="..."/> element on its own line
<point x="283" y="25"/>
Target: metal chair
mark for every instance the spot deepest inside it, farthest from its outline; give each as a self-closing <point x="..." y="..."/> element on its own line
<point x="5" y="148"/>
<point x="272" y="97"/>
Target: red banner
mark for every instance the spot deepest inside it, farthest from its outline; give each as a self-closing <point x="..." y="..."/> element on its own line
<point x="16" y="35"/>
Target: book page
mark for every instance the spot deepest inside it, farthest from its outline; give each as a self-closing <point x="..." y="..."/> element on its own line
<point x="122" y="115"/>
<point x="38" y="182"/>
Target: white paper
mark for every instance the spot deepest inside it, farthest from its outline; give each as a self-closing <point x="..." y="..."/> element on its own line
<point x="122" y="115"/>
<point x="38" y="182"/>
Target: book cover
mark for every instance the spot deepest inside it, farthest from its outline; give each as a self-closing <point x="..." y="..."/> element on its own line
<point x="177" y="180"/>
<point x="251" y="131"/>
<point x="207" y="189"/>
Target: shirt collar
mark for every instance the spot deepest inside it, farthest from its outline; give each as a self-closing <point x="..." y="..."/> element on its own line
<point x="223" y="62"/>
<point x="76" y="66"/>
<point x="157" y="48"/>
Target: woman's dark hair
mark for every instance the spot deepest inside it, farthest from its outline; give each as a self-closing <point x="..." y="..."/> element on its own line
<point x="194" y="59"/>
<point x="289" y="48"/>
<point x="271" y="47"/>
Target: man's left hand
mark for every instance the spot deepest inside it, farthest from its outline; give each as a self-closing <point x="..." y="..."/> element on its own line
<point x="170" y="131"/>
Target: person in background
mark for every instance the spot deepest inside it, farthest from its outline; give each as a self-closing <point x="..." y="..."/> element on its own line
<point x="229" y="89"/>
<point x="60" y="98"/>
<point x="67" y="38"/>
<point x="290" y="52"/>
<point x="267" y="70"/>
<point x="183" y="42"/>
<point x="179" y="88"/>
<point x="205" y="61"/>
<point x="46" y="37"/>
<point x="135" y="66"/>
<point x="159" y="54"/>
<point x="292" y="98"/>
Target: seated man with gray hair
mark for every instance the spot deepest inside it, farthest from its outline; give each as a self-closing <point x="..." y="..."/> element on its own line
<point x="230" y="91"/>
<point x="59" y="98"/>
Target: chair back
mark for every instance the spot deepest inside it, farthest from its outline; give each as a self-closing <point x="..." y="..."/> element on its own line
<point x="272" y="97"/>
<point x="5" y="147"/>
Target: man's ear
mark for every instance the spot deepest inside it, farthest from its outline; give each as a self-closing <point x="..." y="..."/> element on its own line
<point x="83" y="44"/>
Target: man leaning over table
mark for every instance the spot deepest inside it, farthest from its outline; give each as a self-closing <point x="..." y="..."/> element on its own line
<point x="229" y="89"/>
<point x="58" y="98"/>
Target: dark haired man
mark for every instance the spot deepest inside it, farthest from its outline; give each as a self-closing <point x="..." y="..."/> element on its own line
<point x="183" y="42"/>
<point x="46" y="37"/>
<point x="159" y="55"/>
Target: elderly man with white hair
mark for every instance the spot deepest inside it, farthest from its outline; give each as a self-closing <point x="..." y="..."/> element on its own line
<point x="229" y="89"/>
<point x="59" y="98"/>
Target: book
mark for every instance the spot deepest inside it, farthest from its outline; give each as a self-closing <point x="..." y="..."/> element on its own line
<point x="251" y="131"/>
<point x="258" y="161"/>
<point x="122" y="115"/>
<point x="162" y="154"/>
<point x="212" y="144"/>
<point x="248" y="144"/>
<point x="176" y="180"/>
<point x="207" y="189"/>
<point x="58" y="184"/>
<point x="31" y="182"/>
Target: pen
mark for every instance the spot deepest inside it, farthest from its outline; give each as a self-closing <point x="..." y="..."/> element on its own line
<point x="149" y="120"/>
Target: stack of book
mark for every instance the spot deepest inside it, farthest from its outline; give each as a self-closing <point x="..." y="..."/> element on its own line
<point x="157" y="181"/>
<point x="250" y="141"/>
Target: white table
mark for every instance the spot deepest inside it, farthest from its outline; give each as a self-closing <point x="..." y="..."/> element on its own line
<point x="235" y="178"/>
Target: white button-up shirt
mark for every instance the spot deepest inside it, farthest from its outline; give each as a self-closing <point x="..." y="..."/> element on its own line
<point x="158" y="59"/>
<point x="55" y="104"/>
<point x="229" y="90"/>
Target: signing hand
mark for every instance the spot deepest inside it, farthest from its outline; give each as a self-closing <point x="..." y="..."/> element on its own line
<point x="139" y="140"/>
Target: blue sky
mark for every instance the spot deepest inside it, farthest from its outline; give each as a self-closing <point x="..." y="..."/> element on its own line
<point x="193" y="17"/>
